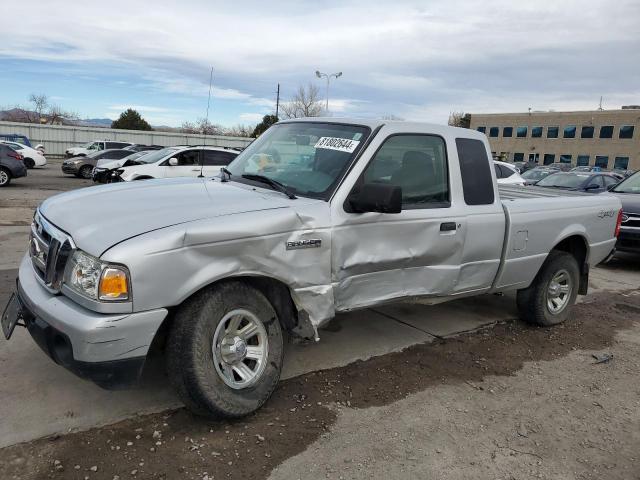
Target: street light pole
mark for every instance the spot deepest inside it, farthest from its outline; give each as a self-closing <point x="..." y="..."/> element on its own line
<point x="319" y="74"/>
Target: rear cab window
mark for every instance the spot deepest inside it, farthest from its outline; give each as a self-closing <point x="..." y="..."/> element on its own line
<point x="475" y="169"/>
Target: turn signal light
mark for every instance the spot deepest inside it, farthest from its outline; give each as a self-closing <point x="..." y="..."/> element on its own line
<point x="618" y="224"/>
<point x="113" y="285"/>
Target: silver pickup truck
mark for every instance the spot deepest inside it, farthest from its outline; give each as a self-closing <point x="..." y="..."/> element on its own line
<point x="316" y="217"/>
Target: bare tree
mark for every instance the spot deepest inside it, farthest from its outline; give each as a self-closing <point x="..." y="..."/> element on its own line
<point x="40" y="104"/>
<point x="188" y="127"/>
<point x="460" y="119"/>
<point x="305" y="103"/>
<point x="239" y="131"/>
<point x="201" y="126"/>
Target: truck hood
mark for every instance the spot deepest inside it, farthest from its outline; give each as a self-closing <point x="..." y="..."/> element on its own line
<point x="109" y="164"/>
<point x="99" y="217"/>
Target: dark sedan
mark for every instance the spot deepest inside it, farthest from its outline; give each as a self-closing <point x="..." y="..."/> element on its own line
<point x="590" y="182"/>
<point x="628" y="191"/>
<point x="11" y="165"/>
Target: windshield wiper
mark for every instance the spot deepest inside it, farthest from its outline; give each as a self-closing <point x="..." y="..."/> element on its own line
<point x="224" y="172"/>
<point x="270" y="181"/>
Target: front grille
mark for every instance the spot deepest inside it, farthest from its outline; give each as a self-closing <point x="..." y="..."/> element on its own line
<point x="630" y="220"/>
<point x="49" y="249"/>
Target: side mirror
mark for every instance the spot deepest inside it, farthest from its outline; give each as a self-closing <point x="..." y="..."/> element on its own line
<point x="377" y="197"/>
<point x="173" y="161"/>
<point x="592" y="186"/>
<point x="611" y="187"/>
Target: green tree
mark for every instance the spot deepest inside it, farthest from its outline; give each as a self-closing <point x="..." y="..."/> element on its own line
<point x="131" y="120"/>
<point x="266" y="122"/>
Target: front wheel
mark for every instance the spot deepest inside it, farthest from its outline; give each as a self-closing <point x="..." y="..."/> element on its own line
<point x="29" y="163"/>
<point x="549" y="298"/>
<point x="86" y="172"/>
<point x="225" y="350"/>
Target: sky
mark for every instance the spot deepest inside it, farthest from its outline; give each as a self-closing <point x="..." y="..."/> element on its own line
<point x="417" y="60"/>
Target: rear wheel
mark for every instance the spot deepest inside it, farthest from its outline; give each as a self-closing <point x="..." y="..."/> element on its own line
<point x="549" y="298"/>
<point x="225" y="351"/>
<point x="5" y="177"/>
<point x="29" y="163"/>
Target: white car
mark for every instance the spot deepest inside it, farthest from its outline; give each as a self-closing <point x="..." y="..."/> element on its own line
<point x="32" y="157"/>
<point x="507" y="174"/>
<point x="91" y="147"/>
<point x="180" y="162"/>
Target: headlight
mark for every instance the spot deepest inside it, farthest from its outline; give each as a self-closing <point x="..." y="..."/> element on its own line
<point x="96" y="280"/>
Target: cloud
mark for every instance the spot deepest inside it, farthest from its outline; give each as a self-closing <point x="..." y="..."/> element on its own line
<point x="413" y="58"/>
<point x="251" y="117"/>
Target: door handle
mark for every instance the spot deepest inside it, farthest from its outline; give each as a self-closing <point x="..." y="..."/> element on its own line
<point x="448" y="227"/>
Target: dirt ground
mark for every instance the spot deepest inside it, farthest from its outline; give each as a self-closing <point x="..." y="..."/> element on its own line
<point x="509" y="402"/>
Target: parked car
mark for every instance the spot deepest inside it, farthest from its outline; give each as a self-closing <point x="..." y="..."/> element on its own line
<point x="628" y="191"/>
<point x="105" y="170"/>
<point x="507" y="174"/>
<point x="533" y="176"/>
<point x="585" y="182"/>
<point x="525" y="166"/>
<point x="82" y="166"/>
<point x="96" y="146"/>
<point x="138" y="147"/>
<point x="11" y="165"/>
<point x="16" y="138"/>
<point x="179" y="162"/>
<point x="356" y="214"/>
<point x="32" y="157"/>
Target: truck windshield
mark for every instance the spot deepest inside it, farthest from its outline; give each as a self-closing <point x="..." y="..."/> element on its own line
<point x="308" y="158"/>
<point x="563" y="180"/>
<point x="630" y="185"/>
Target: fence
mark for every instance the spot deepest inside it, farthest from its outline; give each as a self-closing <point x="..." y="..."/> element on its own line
<point x="57" y="138"/>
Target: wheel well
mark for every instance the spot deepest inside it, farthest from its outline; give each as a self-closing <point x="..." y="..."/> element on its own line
<point x="576" y="245"/>
<point x="277" y="293"/>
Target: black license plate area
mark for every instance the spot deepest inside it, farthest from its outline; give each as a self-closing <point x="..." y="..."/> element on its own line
<point x="11" y="315"/>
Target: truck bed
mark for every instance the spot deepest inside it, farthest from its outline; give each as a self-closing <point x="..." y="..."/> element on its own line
<point x="538" y="219"/>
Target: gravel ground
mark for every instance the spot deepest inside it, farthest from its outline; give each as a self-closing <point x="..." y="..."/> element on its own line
<point x="509" y="402"/>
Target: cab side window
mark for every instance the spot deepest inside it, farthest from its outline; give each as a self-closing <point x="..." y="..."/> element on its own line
<point x="418" y="165"/>
<point x="477" y="184"/>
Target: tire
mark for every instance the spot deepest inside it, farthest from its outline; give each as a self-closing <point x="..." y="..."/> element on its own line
<point x="203" y="361"/>
<point x="549" y="299"/>
<point x="5" y="177"/>
<point x="86" y="172"/>
<point x="29" y="163"/>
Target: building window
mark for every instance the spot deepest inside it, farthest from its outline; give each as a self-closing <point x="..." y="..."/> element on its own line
<point x="621" y="163"/>
<point x="482" y="129"/>
<point x="521" y="132"/>
<point x="494" y="131"/>
<point x="602" y="161"/>
<point x="570" y="131"/>
<point x="536" y="132"/>
<point x="518" y="157"/>
<point x="565" y="158"/>
<point x="582" y="160"/>
<point x="587" y="132"/>
<point x="507" y="132"/>
<point x="606" y="131"/>
<point x="552" y="132"/>
<point x="626" y="131"/>
<point x="549" y="158"/>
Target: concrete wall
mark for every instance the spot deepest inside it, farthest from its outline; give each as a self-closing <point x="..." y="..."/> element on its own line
<point x="609" y="147"/>
<point x="57" y="139"/>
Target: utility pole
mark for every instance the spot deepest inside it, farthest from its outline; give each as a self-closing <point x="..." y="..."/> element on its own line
<point x="277" y="102"/>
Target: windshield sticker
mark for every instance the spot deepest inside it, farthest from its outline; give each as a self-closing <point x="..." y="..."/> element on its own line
<point x="340" y="144"/>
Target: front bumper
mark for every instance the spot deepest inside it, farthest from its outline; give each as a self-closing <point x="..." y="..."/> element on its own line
<point x="628" y="240"/>
<point x="107" y="349"/>
<point x="70" y="168"/>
